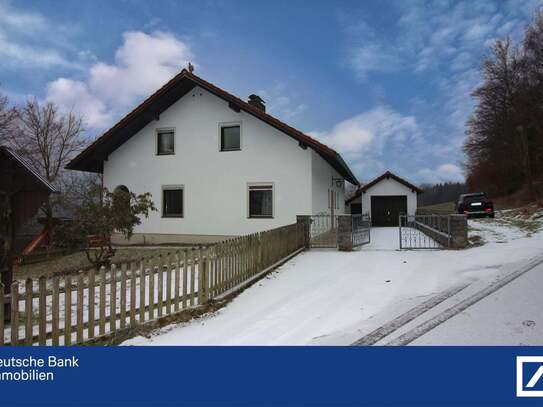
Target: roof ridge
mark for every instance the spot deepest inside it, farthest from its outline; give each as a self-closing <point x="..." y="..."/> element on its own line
<point x="316" y="145"/>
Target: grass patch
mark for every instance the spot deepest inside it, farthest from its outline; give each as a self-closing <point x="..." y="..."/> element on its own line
<point x="444" y="208"/>
<point x="528" y="218"/>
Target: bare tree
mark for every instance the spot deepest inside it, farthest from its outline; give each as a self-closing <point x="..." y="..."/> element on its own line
<point x="48" y="139"/>
<point x="7" y="117"/>
<point x="504" y="143"/>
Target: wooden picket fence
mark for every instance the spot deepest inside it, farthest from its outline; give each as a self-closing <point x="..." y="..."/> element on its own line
<point x="123" y="296"/>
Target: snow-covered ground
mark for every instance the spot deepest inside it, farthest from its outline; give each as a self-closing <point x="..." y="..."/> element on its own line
<point x="325" y="297"/>
<point x="511" y="315"/>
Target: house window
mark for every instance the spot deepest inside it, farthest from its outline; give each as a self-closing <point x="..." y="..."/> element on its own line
<point x="261" y="201"/>
<point x="230" y="137"/>
<point x="165" y="142"/>
<point x="172" y="202"/>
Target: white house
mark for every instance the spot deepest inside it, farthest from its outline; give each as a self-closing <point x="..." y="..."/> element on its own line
<point x="385" y="198"/>
<point x="215" y="165"/>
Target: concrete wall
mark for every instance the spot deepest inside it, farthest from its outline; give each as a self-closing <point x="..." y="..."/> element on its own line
<point x="322" y="186"/>
<point x="216" y="183"/>
<point x="388" y="187"/>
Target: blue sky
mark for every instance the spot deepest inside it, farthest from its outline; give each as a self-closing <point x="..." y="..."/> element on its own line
<point x="385" y="83"/>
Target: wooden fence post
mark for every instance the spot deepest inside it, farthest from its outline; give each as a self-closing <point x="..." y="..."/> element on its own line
<point x="177" y="280"/>
<point x="15" y="313"/>
<point x="123" y="296"/>
<point x="42" y="287"/>
<point x="142" y="292"/>
<point x="132" y="294"/>
<point x="102" y="302"/>
<point x="79" y="309"/>
<point x="67" y="310"/>
<point x="185" y="278"/>
<point x="29" y="293"/>
<point x="202" y="276"/>
<point x="55" y="310"/>
<point x="90" y="292"/>
<point x="113" y="299"/>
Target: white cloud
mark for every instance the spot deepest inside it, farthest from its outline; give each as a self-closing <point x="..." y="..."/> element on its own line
<point x="75" y="96"/>
<point x="21" y="21"/>
<point x="143" y="63"/>
<point x="431" y="34"/>
<point x="442" y="173"/>
<point x="29" y="40"/>
<point x="368" y="58"/>
<point x="369" y="138"/>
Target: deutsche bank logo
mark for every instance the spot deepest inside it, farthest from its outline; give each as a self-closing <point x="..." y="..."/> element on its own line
<point x="529" y="376"/>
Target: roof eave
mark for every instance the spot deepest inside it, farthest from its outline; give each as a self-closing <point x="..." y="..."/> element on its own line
<point x="86" y="162"/>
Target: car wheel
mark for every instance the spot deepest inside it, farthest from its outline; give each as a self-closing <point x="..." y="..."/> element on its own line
<point x="491" y="215"/>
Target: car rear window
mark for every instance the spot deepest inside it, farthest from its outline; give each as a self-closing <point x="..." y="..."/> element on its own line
<point x="475" y="198"/>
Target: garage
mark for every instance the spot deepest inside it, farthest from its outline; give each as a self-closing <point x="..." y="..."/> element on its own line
<point x="385" y="210"/>
<point x="384" y="199"/>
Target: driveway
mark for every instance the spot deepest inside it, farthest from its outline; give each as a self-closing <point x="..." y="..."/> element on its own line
<point x="326" y="297"/>
<point x="512" y="315"/>
<point x="385" y="238"/>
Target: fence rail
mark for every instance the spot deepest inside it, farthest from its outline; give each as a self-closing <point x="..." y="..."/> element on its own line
<point x="424" y="231"/>
<point x="76" y="308"/>
<point x="433" y="231"/>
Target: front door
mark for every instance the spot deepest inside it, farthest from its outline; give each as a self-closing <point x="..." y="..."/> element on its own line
<point x="385" y="210"/>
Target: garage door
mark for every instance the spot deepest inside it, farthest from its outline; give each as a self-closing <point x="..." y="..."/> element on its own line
<point x="385" y="210"/>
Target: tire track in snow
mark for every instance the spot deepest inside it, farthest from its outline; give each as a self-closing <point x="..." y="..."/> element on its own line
<point x="423" y="328"/>
<point x="386" y="329"/>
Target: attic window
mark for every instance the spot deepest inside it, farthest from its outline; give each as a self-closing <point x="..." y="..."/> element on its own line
<point x="231" y="137"/>
<point x="165" y="142"/>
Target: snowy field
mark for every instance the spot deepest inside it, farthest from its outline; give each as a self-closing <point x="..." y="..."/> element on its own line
<point x="325" y="297"/>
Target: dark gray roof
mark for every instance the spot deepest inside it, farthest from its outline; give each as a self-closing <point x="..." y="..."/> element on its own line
<point x="39" y="178"/>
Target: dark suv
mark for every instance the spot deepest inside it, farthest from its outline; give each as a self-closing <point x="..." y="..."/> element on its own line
<point x="474" y="205"/>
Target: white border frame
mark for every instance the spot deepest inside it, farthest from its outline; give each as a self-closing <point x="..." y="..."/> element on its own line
<point x="520" y="379"/>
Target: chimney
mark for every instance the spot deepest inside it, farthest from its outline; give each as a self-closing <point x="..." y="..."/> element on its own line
<point x="257" y="102"/>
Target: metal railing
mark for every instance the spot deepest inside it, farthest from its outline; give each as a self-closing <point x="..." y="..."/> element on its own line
<point x="323" y="230"/>
<point x="361" y="233"/>
<point x="424" y="231"/>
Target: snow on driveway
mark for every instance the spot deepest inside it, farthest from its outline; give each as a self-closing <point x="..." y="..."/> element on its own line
<point x="510" y="316"/>
<point x="326" y="297"/>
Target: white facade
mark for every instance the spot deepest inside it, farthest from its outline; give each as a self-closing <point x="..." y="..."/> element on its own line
<point x="216" y="183"/>
<point x="388" y="187"/>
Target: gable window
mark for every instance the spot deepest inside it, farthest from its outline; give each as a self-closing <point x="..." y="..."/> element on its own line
<point x="165" y="142"/>
<point x="261" y="201"/>
<point x="230" y="137"/>
<point x="172" y="202"/>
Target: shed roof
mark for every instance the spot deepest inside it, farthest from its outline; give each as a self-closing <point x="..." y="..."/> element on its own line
<point x="27" y="168"/>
